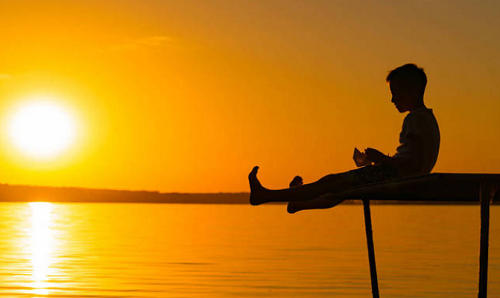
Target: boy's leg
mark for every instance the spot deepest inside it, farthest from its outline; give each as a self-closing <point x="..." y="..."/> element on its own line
<point x="318" y="203"/>
<point x="327" y="184"/>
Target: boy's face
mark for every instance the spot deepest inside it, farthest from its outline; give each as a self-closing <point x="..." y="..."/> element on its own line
<point x="401" y="95"/>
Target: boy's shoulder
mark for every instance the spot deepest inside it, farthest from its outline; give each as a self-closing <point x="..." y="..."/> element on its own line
<point x="418" y="120"/>
<point x="421" y="111"/>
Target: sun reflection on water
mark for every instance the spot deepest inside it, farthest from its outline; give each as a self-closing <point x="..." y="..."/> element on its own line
<point x="42" y="243"/>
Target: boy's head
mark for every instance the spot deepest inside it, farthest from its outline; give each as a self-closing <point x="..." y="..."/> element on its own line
<point x="407" y="84"/>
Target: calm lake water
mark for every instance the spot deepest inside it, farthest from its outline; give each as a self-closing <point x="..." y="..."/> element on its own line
<point x="147" y="250"/>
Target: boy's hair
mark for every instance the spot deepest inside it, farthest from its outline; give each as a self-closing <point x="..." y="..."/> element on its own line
<point x="410" y="74"/>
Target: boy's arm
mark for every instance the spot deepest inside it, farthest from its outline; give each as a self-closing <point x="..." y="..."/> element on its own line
<point x="410" y="162"/>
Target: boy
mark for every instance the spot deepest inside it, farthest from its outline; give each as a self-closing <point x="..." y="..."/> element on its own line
<point x="416" y="155"/>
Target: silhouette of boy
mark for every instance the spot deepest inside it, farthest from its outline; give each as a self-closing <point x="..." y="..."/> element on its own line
<point x="416" y="155"/>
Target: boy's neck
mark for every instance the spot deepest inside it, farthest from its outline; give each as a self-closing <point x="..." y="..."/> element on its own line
<point x="419" y="104"/>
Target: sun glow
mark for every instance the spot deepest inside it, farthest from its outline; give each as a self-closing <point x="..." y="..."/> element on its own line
<point x="42" y="129"/>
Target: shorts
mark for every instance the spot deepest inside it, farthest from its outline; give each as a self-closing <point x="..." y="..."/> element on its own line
<point x="373" y="174"/>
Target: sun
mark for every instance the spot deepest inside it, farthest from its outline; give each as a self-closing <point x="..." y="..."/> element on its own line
<point x="42" y="129"/>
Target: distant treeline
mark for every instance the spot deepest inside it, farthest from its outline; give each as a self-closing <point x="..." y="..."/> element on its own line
<point x="25" y="193"/>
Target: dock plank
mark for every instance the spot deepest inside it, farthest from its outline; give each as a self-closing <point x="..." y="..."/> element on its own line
<point x="436" y="187"/>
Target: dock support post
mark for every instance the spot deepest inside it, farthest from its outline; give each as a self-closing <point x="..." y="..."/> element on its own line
<point x="486" y="194"/>
<point x="371" y="249"/>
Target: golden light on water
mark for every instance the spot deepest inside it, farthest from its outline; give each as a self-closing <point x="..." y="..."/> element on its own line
<point x="42" y="242"/>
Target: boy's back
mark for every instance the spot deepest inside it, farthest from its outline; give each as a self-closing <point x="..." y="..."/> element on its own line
<point x="419" y="125"/>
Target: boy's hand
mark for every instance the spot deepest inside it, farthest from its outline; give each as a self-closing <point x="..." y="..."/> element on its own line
<point x="375" y="155"/>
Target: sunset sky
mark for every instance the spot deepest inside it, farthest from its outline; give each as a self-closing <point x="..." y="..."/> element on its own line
<point x="187" y="96"/>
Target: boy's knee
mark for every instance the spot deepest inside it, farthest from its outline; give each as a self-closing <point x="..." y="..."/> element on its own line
<point x="327" y="178"/>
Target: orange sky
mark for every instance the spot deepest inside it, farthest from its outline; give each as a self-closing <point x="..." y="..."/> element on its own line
<point x="188" y="95"/>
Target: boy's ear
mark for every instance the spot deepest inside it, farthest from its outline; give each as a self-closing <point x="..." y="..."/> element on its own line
<point x="414" y="91"/>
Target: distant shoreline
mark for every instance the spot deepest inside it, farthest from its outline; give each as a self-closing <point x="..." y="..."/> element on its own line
<point x="28" y="193"/>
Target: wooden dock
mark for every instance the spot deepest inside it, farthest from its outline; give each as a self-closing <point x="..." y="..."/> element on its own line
<point x="437" y="187"/>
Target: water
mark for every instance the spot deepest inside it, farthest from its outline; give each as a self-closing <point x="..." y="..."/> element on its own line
<point x="146" y="250"/>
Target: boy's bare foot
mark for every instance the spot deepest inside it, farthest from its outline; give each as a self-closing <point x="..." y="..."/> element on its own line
<point x="256" y="189"/>
<point x="297" y="181"/>
<point x="295" y="206"/>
